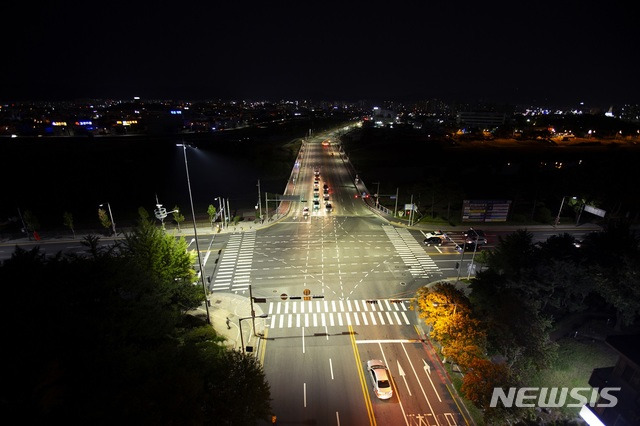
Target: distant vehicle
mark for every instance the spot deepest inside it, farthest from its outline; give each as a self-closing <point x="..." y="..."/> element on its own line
<point x="328" y="207"/>
<point x="475" y="237"/>
<point x="316" y="204"/>
<point x="577" y="243"/>
<point x="325" y="186"/>
<point x="433" y="241"/>
<point x="435" y="238"/>
<point x="316" y="195"/>
<point x="305" y="211"/>
<point x="381" y="378"/>
<point x="326" y="197"/>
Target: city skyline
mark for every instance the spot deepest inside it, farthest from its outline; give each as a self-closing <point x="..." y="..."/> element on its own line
<point x="545" y="53"/>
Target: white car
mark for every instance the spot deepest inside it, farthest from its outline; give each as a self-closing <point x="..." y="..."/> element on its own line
<point x="305" y="211"/>
<point x="381" y="378"/>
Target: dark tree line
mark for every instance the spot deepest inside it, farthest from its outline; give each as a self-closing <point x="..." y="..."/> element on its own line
<point x="500" y="334"/>
<point x="106" y="338"/>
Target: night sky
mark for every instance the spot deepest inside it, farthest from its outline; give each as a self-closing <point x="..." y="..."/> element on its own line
<point x="538" y="51"/>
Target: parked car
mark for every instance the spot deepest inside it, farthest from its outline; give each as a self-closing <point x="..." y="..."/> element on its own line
<point x="381" y="378"/>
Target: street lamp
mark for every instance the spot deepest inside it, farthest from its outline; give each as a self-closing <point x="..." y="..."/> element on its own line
<point x="475" y="247"/>
<point x="195" y="232"/>
<point x="113" y="224"/>
<point x="161" y="212"/>
<point x="560" y="210"/>
<point x="221" y="207"/>
<point x="464" y="246"/>
<point x="377" y="194"/>
<point x="240" y="325"/>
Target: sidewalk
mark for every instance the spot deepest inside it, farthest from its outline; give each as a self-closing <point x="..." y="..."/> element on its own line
<point x="225" y="312"/>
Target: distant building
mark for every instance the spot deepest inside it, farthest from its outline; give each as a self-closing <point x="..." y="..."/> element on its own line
<point x="383" y="117"/>
<point x="480" y="120"/>
<point x="625" y="375"/>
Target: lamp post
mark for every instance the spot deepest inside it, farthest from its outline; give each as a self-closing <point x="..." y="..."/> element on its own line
<point x="377" y="193"/>
<point x="560" y="210"/>
<point x="195" y="232"/>
<point x="161" y="212"/>
<point x="113" y="224"/>
<point x="475" y="247"/>
<point x="464" y="246"/>
<point x="220" y="206"/>
<point x="240" y="325"/>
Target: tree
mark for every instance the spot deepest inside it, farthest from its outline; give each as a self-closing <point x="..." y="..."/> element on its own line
<point x="513" y="253"/>
<point x="104" y="218"/>
<point x="167" y="260"/>
<point x="620" y="287"/>
<point x="117" y="346"/>
<point x="436" y="303"/>
<point x="481" y="378"/>
<point x="31" y="222"/>
<point x="178" y="217"/>
<point x="478" y="384"/>
<point x="211" y="211"/>
<point x="68" y="222"/>
<point x="516" y="329"/>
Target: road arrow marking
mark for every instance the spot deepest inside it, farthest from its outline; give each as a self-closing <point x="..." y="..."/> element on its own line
<point x="427" y="367"/>
<point x="427" y="370"/>
<point x="401" y="372"/>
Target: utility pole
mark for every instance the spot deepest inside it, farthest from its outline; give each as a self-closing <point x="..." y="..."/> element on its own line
<point x="377" y="193"/>
<point x="259" y="200"/>
<point x="228" y="212"/>
<point x="411" y="212"/>
<point x="220" y="201"/>
<point x="395" y="210"/>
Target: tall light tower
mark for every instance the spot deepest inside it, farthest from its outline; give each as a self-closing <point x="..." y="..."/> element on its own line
<point x="195" y="231"/>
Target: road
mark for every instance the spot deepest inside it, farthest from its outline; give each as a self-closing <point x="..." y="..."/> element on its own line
<point x="336" y="286"/>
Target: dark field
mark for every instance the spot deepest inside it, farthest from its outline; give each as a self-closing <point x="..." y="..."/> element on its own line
<point x="439" y="172"/>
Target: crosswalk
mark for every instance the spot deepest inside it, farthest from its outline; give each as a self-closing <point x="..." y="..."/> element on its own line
<point x="234" y="268"/>
<point x="330" y="313"/>
<point x="411" y="252"/>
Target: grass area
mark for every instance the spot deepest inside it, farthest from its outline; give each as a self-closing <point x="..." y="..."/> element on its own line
<point x="574" y="365"/>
